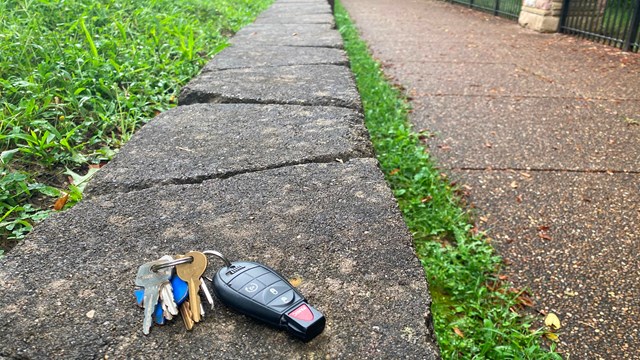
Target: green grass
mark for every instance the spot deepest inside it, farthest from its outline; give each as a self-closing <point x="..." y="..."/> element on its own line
<point x="461" y="266"/>
<point x="79" y="77"/>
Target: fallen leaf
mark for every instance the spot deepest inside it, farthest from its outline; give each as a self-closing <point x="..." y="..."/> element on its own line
<point x="568" y="292"/>
<point x="551" y="336"/>
<point x="59" y="204"/>
<point x="552" y="321"/>
<point x="488" y="144"/>
<point x="426" y="199"/>
<point x="525" y="300"/>
<point x="458" y="332"/>
<point x="295" y="281"/>
<point x="514" y="184"/>
<point x="544" y="236"/>
<point x="519" y="198"/>
<point x="81" y="180"/>
<point x="543" y="228"/>
<point x="394" y="171"/>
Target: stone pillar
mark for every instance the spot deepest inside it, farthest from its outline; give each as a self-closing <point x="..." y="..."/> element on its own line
<point x="541" y="15"/>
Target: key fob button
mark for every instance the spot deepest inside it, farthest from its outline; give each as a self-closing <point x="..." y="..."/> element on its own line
<point x="238" y="282"/>
<point x="282" y="300"/>
<point x="273" y="291"/>
<point x="255" y="272"/>
<point x="269" y="278"/>
<point x="252" y="288"/>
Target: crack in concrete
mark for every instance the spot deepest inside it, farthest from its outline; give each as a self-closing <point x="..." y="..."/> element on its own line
<point x="199" y="98"/>
<point x="199" y="179"/>
<point x="542" y="170"/>
<point x="346" y="63"/>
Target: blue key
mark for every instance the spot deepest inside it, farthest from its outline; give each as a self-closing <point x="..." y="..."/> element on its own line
<point x="180" y="293"/>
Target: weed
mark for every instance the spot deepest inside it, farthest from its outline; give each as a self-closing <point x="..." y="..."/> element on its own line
<point x="79" y="77"/>
<point x="471" y="319"/>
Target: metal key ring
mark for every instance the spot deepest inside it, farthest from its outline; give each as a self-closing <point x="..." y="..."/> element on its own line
<point x="227" y="263"/>
<point x="184" y="260"/>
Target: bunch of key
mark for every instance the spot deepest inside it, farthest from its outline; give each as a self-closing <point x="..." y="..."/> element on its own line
<point x="248" y="287"/>
<point x="164" y="292"/>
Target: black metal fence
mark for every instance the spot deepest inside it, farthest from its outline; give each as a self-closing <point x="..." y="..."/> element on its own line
<point x="506" y="8"/>
<point x="614" y="22"/>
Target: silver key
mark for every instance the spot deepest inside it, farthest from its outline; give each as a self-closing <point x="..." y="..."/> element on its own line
<point x="205" y="290"/>
<point x="151" y="281"/>
<point x="169" y="307"/>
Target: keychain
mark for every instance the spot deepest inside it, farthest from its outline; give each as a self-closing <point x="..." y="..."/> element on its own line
<point x="248" y="287"/>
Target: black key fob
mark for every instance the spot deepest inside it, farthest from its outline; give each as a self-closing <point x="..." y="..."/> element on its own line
<point x="258" y="291"/>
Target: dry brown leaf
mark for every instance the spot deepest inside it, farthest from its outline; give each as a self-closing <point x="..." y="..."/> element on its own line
<point x="544" y="236"/>
<point x="525" y="300"/>
<point x="552" y="321"/>
<point x="59" y="204"/>
<point x="394" y="171"/>
<point x="514" y="184"/>
<point x="458" y="332"/>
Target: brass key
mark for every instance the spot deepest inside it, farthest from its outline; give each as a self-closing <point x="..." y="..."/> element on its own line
<point x="185" y="310"/>
<point x="191" y="273"/>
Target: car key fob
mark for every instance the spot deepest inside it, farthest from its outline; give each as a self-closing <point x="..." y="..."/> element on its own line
<point x="258" y="291"/>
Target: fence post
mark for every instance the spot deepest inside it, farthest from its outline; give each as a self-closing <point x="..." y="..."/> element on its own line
<point x="564" y="14"/>
<point x="633" y="30"/>
<point x="541" y="16"/>
<point x="496" y="8"/>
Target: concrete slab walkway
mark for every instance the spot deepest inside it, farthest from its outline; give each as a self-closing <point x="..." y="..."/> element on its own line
<point x="544" y="128"/>
<point x="266" y="159"/>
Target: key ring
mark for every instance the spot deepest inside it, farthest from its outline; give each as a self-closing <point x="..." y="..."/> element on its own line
<point x="184" y="260"/>
<point x="227" y="263"/>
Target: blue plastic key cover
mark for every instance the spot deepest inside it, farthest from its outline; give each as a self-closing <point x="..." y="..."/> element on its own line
<point x="158" y="315"/>
<point x="180" y="289"/>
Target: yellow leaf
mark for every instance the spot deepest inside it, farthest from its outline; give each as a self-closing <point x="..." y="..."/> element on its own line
<point x="295" y="281"/>
<point x="552" y="321"/>
<point x="551" y="336"/>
